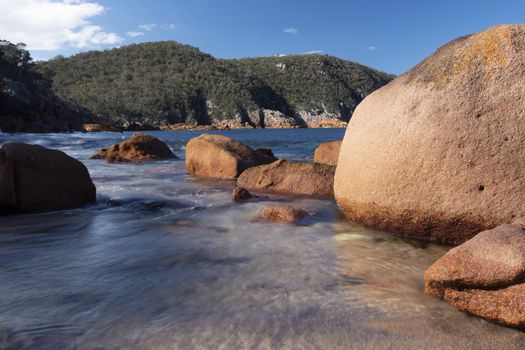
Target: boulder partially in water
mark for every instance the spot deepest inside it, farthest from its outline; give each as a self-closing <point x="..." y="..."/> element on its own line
<point x="37" y="179"/>
<point x="217" y="156"/>
<point x="305" y="179"/>
<point x="328" y="153"/>
<point x="485" y="276"/>
<point x="281" y="214"/>
<point x="492" y="259"/>
<point x="437" y="153"/>
<point x="504" y="306"/>
<point x="138" y="148"/>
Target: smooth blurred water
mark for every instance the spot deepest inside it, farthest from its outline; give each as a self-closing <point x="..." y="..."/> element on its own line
<point x="178" y="265"/>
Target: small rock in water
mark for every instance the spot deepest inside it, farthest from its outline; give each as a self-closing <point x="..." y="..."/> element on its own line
<point x="184" y="223"/>
<point x="296" y="178"/>
<point x="241" y="194"/>
<point x="281" y="214"/>
<point x="138" y="148"/>
<point x="4" y="336"/>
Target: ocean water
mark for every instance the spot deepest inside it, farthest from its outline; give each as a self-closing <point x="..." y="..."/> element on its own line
<point x="172" y="263"/>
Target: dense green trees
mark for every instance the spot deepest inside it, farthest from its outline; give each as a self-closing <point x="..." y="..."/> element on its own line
<point x="27" y="102"/>
<point x="16" y="64"/>
<point x="169" y="82"/>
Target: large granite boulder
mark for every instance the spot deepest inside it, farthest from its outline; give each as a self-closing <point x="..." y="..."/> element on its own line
<point x="138" y="148"/>
<point x="305" y="179"/>
<point x="327" y="153"/>
<point x="437" y="153"/>
<point x="485" y="276"/>
<point x="37" y="179"/>
<point x="217" y="156"/>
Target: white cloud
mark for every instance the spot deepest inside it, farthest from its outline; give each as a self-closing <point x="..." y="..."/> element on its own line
<point x="53" y="24"/>
<point x="134" y="34"/>
<point x="317" y="52"/>
<point x="148" y="27"/>
<point x="152" y="26"/>
<point x="371" y="48"/>
<point x="291" y="31"/>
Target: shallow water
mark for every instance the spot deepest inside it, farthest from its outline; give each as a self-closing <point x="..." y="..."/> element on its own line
<point x="173" y="263"/>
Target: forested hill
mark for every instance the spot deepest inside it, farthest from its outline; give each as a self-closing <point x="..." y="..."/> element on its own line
<point x="166" y="82"/>
<point x="27" y="103"/>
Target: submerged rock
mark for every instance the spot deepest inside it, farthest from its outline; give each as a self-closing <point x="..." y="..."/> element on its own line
<point x="484" y="276"/>
<point x="37" y="179"/>
<point x="281" y="214"/>
<point x="138" y="148"/>
<point x="217" y="156"/>
<point x="306" y="179"/>
<point x="327" y="153"/>
<point x="433" y="155"/>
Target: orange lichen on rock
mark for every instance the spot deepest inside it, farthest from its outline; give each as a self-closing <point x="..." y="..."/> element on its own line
<point x="489" y="47"/>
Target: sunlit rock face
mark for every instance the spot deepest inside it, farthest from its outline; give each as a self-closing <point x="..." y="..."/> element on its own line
<point x="221" y="157"/>
<point x="438" y="153"/>
<point x="138" y="148"/>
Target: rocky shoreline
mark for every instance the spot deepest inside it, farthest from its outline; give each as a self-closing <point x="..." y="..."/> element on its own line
<point x="264" y="119"/>
<point x="436" y="155"/>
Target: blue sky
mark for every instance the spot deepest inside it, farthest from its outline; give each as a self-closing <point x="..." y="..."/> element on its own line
<point x="389" y="35"/>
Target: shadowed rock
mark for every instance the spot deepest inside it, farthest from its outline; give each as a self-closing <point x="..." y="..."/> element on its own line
<point x="138" y="148"/>
<point x="306" y="179"/>
<point x="281" y="214"/>
<point x="327" y="153"/>
<point x="241" y="194"/>
<point x="217" y="156"/>
<point x="267" y="151"/>
<point x="432" y="155"/>
<point x="37" y="179"/>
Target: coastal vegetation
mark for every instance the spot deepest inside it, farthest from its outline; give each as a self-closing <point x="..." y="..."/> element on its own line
<point x="27" y="102"/>
<point x="167" y="82"/>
